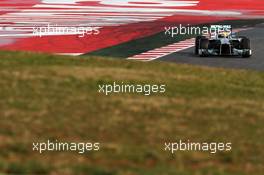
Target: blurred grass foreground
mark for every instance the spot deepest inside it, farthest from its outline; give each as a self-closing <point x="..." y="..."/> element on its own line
<point x="56" y="97"/>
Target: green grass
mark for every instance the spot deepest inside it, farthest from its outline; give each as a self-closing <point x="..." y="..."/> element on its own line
<point x="56" y="97"/>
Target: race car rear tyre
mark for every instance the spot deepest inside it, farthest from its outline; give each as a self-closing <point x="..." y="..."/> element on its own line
<point x="197" y="42"/>
<point x="203" y="45"/>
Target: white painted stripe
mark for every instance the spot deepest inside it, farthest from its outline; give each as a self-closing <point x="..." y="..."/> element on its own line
<point x="71" y="54"/>
<point x="163" y="51"/>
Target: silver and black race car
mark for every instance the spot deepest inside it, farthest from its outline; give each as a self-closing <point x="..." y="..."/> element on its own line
<point x="221" y="41"/>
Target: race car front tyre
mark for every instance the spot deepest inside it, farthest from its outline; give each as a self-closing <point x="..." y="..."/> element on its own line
<point x="197" y="42"/>
<point x="245" y="45"/>
<point x="246" y="54"/>
<point x="203" y="47"/>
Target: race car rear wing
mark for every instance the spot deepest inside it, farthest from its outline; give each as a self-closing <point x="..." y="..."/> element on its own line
<point x="215" y="30"/>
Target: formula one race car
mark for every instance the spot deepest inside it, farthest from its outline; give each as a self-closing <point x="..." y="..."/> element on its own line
<point x="221" y="41"/>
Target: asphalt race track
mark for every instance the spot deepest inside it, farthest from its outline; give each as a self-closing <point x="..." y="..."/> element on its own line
<point x="256" y="62"/>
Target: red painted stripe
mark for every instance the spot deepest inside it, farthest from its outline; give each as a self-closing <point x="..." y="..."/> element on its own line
<point x="111" y="35"/>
